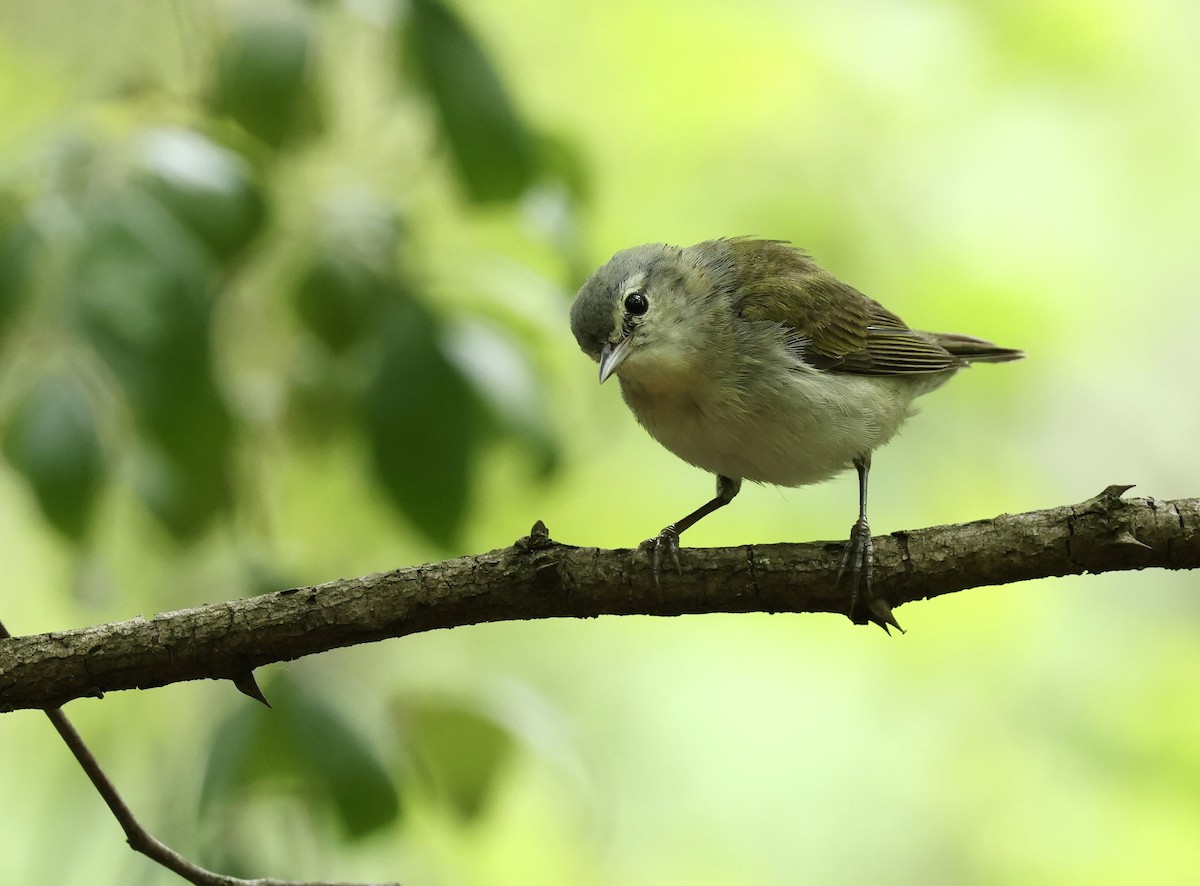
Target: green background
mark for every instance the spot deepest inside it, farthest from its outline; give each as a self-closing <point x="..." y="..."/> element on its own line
<point x="283" y="298"/>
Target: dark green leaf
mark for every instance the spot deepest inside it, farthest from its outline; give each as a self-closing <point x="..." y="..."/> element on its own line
<point x="52" y="441"/>
<point x="142" y="288"/>
<point x="184" y="494"/>
<point x="424" y="424"/>
<point x="355" y="780"/>
<point x="491" y="147"/>
<point x="239" y="756"/>
<point x="210" y="189"/>
<point x="304" y="745"/>
<point x="338" y="299"/>
<point x="459" y="751"/>
<point x="266" y="82"/>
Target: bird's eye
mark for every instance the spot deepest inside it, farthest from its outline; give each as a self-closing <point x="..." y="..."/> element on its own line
<point x="636" y="304"/>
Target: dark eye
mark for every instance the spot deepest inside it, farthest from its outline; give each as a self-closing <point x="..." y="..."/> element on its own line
<point x="636" y="304"/>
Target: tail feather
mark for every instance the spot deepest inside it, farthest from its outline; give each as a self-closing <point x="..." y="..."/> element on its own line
<point x="975" y="350"/>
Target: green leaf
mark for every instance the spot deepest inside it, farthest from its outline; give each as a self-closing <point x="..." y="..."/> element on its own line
<point x="210" y="189"/>
<point x="492" y="149"/>
<point x="355" y="780"/>
<point x="338" y="298"/>
<point x="424" y="424"/>
<point x="306" y="746"/>
<point x="142" y="288"/>
<point x="508" y="386"/>
<point x="52" y="441"/>
<point x="266" y="82"/>
<point x="17" y="244"/>
<point x="237" y="758"/>
<point x="459" y="752"/>
<point x="183" y="494"/>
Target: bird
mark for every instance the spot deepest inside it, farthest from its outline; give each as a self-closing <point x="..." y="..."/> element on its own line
<point x="745" y="358"/>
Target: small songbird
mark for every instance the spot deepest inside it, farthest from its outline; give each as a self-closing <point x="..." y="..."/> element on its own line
<point x="746" y="359"/>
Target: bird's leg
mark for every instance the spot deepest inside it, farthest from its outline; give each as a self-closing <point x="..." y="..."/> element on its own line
<point x="860" y="558"/>
<point x="667" y="541"/>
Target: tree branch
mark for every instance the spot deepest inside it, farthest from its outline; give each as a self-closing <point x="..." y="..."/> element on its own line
<point x="540" y="578"/>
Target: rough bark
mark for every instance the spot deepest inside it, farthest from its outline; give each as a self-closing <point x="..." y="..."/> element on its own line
<point x="540" y="578"/>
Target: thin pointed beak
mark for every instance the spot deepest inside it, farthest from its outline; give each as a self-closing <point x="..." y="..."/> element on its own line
<point x="611" y="356"/>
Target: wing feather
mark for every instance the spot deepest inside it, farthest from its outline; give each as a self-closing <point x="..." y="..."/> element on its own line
<point x="841" y="329"/>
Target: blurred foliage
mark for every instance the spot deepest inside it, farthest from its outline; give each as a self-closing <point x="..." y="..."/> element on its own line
<point x="211" y="190"/>
<point x="53" y="441"/>
<point x="490" y="143"/>
<point x="157" y="226"/>
<point x="304" y="745"/>
<point x="283" y="293"/>
<point x="266" y="81"/>
<point x="17" y="243"/>
<point x="177" y="240"/>
<point x="458" y="752"/>
<point x="423" y="436"/>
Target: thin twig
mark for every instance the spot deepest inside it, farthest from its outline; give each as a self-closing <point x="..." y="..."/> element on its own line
<point x="137" y="836"/>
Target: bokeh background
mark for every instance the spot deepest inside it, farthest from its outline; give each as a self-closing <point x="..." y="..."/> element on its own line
<point x="283" y="298"/>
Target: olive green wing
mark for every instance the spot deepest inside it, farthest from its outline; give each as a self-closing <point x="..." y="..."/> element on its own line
<point x="835" y="327"/>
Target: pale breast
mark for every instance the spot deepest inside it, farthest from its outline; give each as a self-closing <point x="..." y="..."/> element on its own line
<point x="790" y="428"/>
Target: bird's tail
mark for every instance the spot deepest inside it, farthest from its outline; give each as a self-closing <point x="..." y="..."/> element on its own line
<point x="975" y="350"/>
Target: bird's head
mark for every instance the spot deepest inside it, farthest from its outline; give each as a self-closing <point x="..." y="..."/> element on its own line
<point x="644" y="312"/>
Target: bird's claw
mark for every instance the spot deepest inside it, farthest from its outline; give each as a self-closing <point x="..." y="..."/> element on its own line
<point x="859" y="557"/>
<point x="666" y="543"/>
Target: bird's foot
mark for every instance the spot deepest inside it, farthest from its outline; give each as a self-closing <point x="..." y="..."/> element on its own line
<point x="859" y="559"/>
<point x="665" y="544"/>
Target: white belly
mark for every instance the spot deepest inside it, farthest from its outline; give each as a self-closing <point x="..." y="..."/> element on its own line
<point x="797" y="427"/>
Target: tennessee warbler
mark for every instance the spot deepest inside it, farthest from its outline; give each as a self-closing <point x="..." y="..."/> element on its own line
<point x="746" y="359"/>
